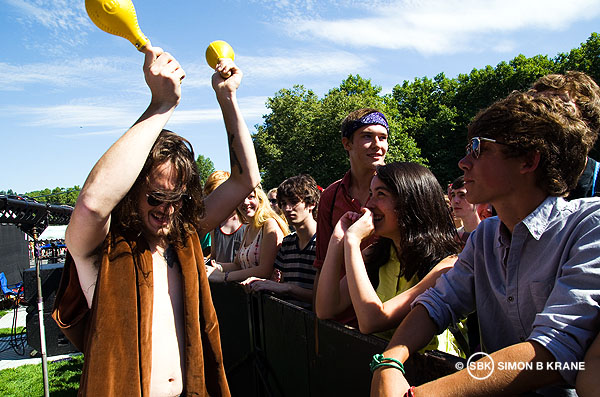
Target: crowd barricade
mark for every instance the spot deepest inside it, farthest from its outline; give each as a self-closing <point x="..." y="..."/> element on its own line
<point x="273" y="348"/>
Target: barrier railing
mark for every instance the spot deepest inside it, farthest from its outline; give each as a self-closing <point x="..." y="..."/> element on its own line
<point x="273" y="348"/>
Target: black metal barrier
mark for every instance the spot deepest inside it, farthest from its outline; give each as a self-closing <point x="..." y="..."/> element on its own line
<point x="273" y="348"/>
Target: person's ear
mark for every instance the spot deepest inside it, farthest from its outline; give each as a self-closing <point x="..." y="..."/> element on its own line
<point x="346" y="143"/>
<point x="530" y="163"/>
<point x="311" y="208"/>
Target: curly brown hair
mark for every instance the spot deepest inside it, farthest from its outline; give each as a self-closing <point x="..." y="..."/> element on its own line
<point x="169" y="147"/>
<point x="540" y="123"/>
<point x="576" y="87"/>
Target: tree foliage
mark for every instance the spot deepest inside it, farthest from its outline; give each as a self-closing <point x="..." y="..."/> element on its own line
<point x="57" y="196"/>
<point x="428" y="117"/>
<point x="205" y="168"/>
<point x="301" y="134"/>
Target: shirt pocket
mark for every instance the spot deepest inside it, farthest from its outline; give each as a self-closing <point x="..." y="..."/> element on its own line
<point x="540" y="291"/>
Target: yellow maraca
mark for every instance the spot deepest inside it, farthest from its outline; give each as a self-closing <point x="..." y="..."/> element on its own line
<point x="219" y="49"/>
<point x="117" y="17"/>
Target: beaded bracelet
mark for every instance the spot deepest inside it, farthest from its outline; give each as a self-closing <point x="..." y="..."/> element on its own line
<point x="380" y="361"/>
<point x="410" y="392"/>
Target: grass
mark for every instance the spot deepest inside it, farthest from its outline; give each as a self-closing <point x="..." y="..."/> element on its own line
<point x="27" y="380"/>
<point x="8" y="331"/>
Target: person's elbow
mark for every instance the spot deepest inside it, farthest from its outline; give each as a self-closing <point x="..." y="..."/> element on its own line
<point x="369" y="323"/>
<point x="324" y="310"/>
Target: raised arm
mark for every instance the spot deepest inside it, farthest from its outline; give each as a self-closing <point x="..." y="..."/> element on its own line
<point x="244" y="167"/>
<point x="372" y="314"/>
<point x="332" y="296"/>
<point x="116" y="171"/>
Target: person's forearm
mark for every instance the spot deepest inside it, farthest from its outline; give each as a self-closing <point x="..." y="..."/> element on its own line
<point x="503" y="380"/>
<point x="587" y="383"/>
<point x="367" y="305"/>
<point x="116" y="171"/>
<point x="243" y="163"/>
<point x="256" y="271"/>
<point x="413" y="334"/>
<point x="299" y="293"/>
<point x="328" y="288"/>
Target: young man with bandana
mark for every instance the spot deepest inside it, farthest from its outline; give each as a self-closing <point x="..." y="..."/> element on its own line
<point x="532" y="273"/>
<point x="365" y="138"/>
<point x="134" y="296"/>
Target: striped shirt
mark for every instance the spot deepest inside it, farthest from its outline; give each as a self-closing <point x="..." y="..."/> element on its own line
<point x="296" y="265"/>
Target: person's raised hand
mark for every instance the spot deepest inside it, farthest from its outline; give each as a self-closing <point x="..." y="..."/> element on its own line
<point x="339" y="232"/>
<point x="362" y="227"/>
<point x="226" y="86"/>
<point x="163" y="75"/>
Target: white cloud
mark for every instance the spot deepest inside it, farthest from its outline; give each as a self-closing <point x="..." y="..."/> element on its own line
<point x="58" y="16"/>
<point x="290" y="64"/>
<point x="440" y="26"/>
<point x="74" y="73"/>
<point x="74" y="115"/>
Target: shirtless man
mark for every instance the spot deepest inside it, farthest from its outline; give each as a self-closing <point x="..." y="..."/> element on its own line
<point x="134" y="295"/>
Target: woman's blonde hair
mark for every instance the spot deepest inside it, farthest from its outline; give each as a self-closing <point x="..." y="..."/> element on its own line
<point x="265" y="212"/>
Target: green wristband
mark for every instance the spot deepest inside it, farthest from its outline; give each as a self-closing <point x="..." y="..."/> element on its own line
<point x="380" y="361"/>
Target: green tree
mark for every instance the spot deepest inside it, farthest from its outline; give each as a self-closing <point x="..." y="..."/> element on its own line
<point x="57" y="196"/>
<point x="205" y="168"/>
<point x="301" y="134"/>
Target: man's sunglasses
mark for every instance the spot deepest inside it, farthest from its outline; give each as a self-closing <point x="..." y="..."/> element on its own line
<point x="474" y="147"/>
<point x="273" y="201"/>
<point x="153" y="201"/>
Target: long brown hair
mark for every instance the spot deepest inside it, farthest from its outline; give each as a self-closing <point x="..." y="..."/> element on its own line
<point x="169" y="147"/>
<point x="427" y="233"/>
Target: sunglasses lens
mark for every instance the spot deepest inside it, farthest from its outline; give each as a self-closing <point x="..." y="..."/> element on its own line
<point x="475" y="142"/>
<point x="153" y="201"/>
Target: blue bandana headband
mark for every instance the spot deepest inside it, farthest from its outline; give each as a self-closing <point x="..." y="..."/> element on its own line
<point x="369" y="119"/>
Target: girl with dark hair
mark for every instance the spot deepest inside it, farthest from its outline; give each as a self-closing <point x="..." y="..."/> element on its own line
<point x="416" y="244"/>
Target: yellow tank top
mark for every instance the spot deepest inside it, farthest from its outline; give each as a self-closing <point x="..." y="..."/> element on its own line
<point x="391" y="284"/>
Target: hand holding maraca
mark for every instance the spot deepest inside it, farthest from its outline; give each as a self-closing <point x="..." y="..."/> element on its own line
<point x="163" y="75"/>
<point x="226" y="85"/>
<point x="215" y="51"/>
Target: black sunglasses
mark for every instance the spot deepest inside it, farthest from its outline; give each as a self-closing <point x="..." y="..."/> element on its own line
<point x="153" y="201"/>
<point x="474" y="147"/>
<point x="273" y="201"/>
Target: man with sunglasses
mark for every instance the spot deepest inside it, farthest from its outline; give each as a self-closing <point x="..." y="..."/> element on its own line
<point x="134" y="296"/>
<point x="532" y="273"/>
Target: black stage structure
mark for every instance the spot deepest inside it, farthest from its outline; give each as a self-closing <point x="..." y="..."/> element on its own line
<point x="33" y="218"/>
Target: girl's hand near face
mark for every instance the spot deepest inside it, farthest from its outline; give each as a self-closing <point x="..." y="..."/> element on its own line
<point x="362" y="226"/>
<point x="339" y="232"/>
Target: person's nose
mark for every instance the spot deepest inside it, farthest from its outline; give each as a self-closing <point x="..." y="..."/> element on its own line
<point x="465" y="163"/>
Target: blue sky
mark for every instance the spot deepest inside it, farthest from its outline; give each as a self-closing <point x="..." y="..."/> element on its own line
<point x="68" y="89"/>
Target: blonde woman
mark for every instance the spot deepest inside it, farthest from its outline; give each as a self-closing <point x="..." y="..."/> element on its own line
<point x="260" y="244"/>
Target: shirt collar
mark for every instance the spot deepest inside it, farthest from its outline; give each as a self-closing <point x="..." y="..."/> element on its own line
<point x="535" y="223"/>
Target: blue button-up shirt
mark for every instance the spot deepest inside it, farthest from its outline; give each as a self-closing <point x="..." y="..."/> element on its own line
<point x="540" y="284"/>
